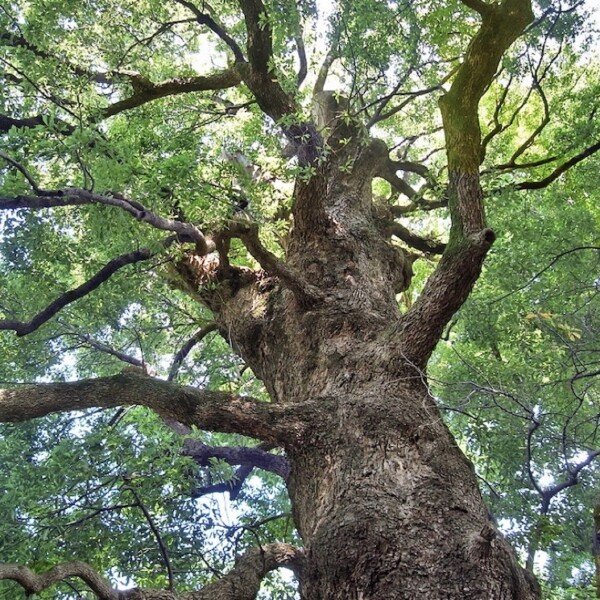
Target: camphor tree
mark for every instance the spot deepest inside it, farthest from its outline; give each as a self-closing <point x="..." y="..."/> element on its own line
<point x="287" y="172"/>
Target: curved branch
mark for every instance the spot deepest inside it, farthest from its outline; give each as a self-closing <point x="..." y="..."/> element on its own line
<point x="573" y="478"/>
<point x="22" y="170"/>
<point x="34" y="584"/>
<point x="538" y="185"/>
<point x="242" y="582"/>
<point x="104" y="274"/>
<point x="388" y="172"/>
<point x="329" y="59"/>
<point x="420" y="206"/>
<point x="261" y="79"/>
<point x="233" y="486"/>
<point x="208" y="410"/>
<point x="501" y="25"/>
<point x="477" y="5"/>
<point x="444" y="293"/>
<point x="6" y="122"/>
<point x="450" y="284"/>
<point x="301" y="50"/>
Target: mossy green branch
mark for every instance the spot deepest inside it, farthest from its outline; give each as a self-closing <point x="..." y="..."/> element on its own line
<point x="501" y="25"/>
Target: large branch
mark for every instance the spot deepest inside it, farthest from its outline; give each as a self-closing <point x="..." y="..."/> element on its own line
<point x="445" y="292"/>
<point x="241" y="583"/>
<point x="186" y="232"/>
<point x="261" y="78"/>
<point x="244" y="580"/>
<point x="232" y="486"/>
<point x="34" y="584"/>
<point x="209" y="410"/>
<point x="450" y="284"/>
<point x="7" y="122"/>
<point x="501" y="25"/>
<point x="144" y="91"/>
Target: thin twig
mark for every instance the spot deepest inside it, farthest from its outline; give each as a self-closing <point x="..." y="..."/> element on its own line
<point x="157" y="536"/>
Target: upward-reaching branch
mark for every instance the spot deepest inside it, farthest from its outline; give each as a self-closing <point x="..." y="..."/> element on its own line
<point x="104" y="274"/>
<point x="260" y="77"/>
<point x="206" y="19"/>
<point x="460" y="266"/>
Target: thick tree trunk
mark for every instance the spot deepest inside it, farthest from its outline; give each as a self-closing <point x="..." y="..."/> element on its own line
<point x="388" y="506"/>
<point x="386" y="503"/>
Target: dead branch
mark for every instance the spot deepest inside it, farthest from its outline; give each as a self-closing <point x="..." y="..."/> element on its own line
<point x="144" y="91"/>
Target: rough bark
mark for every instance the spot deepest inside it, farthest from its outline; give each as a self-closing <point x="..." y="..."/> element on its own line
<point x="210" y="410"/>
<point x="386" y="504"/>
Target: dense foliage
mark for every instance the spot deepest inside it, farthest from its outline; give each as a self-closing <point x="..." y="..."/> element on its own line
<point x="140" y="100"/>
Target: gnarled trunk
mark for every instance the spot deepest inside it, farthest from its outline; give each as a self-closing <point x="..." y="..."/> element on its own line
<point x="386" y="503"/>
<point x="388" y="506"/>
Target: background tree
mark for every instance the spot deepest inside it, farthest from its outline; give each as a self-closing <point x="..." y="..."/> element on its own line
<point x="291" y="176"/>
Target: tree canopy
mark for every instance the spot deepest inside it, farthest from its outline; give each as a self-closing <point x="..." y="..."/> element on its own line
<point x="151" y="162"/>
